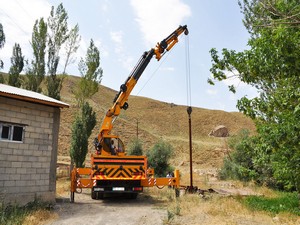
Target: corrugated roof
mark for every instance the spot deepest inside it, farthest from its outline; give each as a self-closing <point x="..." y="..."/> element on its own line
<point x="30" y="96"/>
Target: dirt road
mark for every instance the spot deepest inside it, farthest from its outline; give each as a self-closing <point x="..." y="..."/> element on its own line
<point x="117" y="211"/>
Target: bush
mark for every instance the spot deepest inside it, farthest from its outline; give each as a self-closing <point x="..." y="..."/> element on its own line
<point x="159" y="156"/>
<point x="135" y="147"/>
<point x="250" y="160"/>
<point x="239" y="164"/>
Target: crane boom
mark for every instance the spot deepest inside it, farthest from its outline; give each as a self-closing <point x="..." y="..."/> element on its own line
<point x="121" y="98"/>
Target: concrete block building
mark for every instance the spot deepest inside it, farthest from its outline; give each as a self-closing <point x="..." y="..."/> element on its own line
<point x="29" y="129"/>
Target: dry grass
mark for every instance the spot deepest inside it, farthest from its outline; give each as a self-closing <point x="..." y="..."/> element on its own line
<point x="62" y="186"/>
<point x="39" y="217"/>
<point x="263" y="190"/>
<point x="214" y="209"/>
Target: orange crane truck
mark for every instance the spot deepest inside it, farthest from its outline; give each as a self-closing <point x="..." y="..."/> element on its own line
<point x="112" y="171"/>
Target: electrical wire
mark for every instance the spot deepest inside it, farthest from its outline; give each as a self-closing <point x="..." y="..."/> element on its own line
<point x="166" y="54"/>
<point x="154" y="72"/>
<point x="188" y="72"/>
<point x="29" y="15"/>
<point x="3" y="12"/>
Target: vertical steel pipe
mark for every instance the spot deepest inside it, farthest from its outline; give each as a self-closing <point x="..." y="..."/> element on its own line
<point x="189" y="111"/>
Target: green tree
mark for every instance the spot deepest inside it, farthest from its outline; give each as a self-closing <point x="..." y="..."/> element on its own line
<point x="71" y="46"/>
<point x="135" y="147"/>
<point x="88" y="117"/>
<point x="79" y="143"/>
<point x="57" y="35"/>
<point x="159" y="156"/>
<point x="239" y="162"/>
<point x="272" y="65"/>
<point x="17" y="64"/>
<point x="81" y="131"/>
<point x="2" y="42"/>
<point x="36" y="73"/>
<point x="91" y="74"/>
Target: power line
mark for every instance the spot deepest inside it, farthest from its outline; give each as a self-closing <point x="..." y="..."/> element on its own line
<point x="161" y="62"/>
<point x="154" y="72"/>
<point x="24" y="10"/>
<point x="25" y="32"/>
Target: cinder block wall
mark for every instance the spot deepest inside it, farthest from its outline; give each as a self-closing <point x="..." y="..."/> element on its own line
<point x="28" y="169"/>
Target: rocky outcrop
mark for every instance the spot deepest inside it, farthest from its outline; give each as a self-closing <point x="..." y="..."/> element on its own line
<point x="219" y="131"/>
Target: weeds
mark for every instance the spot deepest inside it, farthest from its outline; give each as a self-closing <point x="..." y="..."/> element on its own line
<point x="285" y="202"/>
<point x="172" y="211"/>
<point x="177" y="209"/>
<point x="15" y="215"/>
<point x="170" y="216"/>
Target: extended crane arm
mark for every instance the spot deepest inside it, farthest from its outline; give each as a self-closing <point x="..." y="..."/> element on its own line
<point x="120" y="101"/>
<point x="169" y="42"/>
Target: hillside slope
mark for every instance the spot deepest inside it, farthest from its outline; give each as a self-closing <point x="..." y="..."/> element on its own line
<point x="156" y="120"/>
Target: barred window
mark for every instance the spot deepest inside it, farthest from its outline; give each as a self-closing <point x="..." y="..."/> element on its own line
<point x="11" y="132"/>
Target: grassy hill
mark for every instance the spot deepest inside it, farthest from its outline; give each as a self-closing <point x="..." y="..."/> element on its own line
<point x="157" y="120"/>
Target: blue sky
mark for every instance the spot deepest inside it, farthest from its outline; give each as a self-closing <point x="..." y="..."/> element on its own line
<point x="124" y="29"/>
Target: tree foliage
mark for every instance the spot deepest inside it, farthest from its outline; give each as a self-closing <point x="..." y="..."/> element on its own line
<point x="2" y="42"/>
<point x="81" y="130"/>
<point x="17" y="64"/>
<point x="272" y="65"/>
<point x="135" y="147"/>
<point x="36" y="72"/>
<point x="261" y="14"/>
<point x="72" y="45"/>
<point x="79" y="143"/>
<point x="57" y="35"/>
<point x="159" y="156"/>
<point x="88" y="117"/>
<point x="242" y="162"/>
<point x="54" y="85"/>
<point x="91" y="74"/>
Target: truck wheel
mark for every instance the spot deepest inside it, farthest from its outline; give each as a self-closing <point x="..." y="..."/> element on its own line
<point x="100" y="195"/>
<point x="133" y="195"/>
<point x="93" y="195"/>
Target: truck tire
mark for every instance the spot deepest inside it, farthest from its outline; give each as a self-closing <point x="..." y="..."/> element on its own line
<point x="100" y="195"/>
<point x="93" y="195"/>
<point x="133" y="195"/>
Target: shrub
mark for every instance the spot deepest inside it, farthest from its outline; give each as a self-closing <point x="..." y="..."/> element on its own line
<point x="135" y="147"/>
<point x="239" y="164"/>
<point x="250" y="160"/>
<point x="159" y="156"/>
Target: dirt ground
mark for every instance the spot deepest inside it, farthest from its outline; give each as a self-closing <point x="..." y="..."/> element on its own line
<point x="118" y="211"/>
<point x="156" y="207"/>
